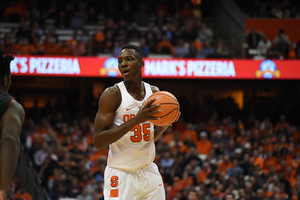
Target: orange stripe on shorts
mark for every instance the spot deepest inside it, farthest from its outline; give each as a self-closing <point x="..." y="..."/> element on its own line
<point x="114" y="193"/>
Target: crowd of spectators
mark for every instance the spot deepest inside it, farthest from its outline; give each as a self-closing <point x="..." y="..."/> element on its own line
<point x="210" y="151"/>
<point x="280" y="47"/>
<point x="277" y="9"/>
<point x="179" y="32"/>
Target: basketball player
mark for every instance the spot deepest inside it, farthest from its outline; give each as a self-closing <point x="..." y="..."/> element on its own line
<point x="12" y="116"/>
<point x="122" y="123"/>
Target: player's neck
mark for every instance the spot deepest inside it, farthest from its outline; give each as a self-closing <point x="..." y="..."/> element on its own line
<point x="135" y="89"/>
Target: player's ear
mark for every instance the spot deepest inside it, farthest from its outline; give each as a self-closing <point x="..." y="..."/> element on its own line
<point x="142" y="63"/>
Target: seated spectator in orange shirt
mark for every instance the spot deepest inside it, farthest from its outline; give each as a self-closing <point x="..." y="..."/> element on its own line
<point x="225" y="165"/>
<point x="189" y="131"/>
<point x="204" y="145"/>
<point x="267" y="145"/>
<point x="203" y="173"/>
<point x="282" y="123"/>
<point x="165" y="46"/>
<point x="180" y="147"/>
<point x="73" y="41"/>
<point x="23" y="48"/>
<point x="65" y="49"/>
<point x="36" y="48"/>
<point x="277" y="163"/>
<point x="268" y="161"/>
<point x="22" y="194"/>
<point x="296" y="160"/>
<point x="282" y="144"/>
<point x="210" y="126"/>
<point x="255" y="132"/>
<point x="79" y="49"/>
<point x="227" y="127"/>
<point x="258" y="161"/>
<point x="174" y="188"/>
<point x="14" y="11"/>
<point x="242" y="139"/>
<point x="51" y="47"/>
<point x="186" y="180"/>
<point x="289" y="175"/>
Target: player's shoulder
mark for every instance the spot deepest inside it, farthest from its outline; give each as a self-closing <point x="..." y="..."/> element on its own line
<point x="17" y="107"/>
<point x="111" y="93"/>
<point x="154" y="88"/>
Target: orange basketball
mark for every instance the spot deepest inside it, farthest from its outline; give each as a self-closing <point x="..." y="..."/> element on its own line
<point x="169" y="106"/>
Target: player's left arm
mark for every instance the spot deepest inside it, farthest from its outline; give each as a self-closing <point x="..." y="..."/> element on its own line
<point x="159" y="130"/>
<point x="11" y="124"/>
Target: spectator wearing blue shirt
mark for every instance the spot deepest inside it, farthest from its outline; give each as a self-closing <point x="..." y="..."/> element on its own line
<point x="236" y="169"/>
<point x="207" y="51"/>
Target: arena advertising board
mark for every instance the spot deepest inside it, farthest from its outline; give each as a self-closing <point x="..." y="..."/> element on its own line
<point x="157" y="68"/>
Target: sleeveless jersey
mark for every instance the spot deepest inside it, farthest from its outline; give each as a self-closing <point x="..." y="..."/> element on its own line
<point x="136" y="149"/>
<point x="5" y="100"/>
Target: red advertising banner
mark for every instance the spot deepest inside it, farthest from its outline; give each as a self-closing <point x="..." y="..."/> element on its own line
<point x="157" y="68"/>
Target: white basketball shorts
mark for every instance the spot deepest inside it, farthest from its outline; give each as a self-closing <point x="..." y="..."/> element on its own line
<point x="145" y="184"/>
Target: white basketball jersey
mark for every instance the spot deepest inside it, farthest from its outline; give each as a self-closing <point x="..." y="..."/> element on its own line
<point x="136" y="148"/>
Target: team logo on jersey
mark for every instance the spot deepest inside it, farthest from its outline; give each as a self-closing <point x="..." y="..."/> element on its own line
<point x="110" y="67"/>
<point x="268" y="70"/>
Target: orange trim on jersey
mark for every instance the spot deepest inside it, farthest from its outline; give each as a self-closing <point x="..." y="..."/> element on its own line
<point x="10" y="102"/>
<point x="114" y="193"/>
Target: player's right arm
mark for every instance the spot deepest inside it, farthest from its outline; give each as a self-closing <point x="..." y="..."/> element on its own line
<point x="11" y="125"/>
<point x="109" y="102"/>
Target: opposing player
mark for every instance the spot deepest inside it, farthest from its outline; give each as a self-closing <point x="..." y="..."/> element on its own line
<point x="12" y="116"/>
<point x="122" y="123"/>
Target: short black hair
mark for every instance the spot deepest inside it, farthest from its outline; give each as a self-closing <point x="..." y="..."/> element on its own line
<point x="136" y="48"/>
<point x="5" y="65"/>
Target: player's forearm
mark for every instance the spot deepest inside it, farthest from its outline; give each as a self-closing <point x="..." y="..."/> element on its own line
<point x="10" y="150"/>
<point x="106" y="137"/>
<point x="159" y="130"/>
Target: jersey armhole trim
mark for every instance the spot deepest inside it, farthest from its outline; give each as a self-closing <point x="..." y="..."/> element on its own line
<point x="118" y="109"/>
<point x="10" y="102"/>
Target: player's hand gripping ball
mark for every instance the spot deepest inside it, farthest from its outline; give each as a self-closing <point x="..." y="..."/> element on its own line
<point x="169" y="106"/>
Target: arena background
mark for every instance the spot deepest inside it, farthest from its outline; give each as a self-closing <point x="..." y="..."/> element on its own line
<point x="211" y="103"/>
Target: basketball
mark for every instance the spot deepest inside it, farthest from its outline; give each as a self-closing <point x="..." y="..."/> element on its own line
<point x="169" y="106"/>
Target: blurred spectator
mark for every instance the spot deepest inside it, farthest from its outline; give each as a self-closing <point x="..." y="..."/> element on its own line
<point x="187" y="11"/>
<point x="91" y="16"/>
<point x="204" y="145"/>
<point x="165" y="46"/>
<point x="263" y="45"/>
<point x="203" y="174"/>
<point x="181" y="50"/>
<point x="281" y="43"/>
<point x="222" y="51"/>
<point x="205" y="33"/>
<point x="77" y="21"/>
<point x="144" y="47"/>
<point x="207" y="51"/>
<point x="14" y="11"/>
<point x="65" y="49"/>
<point x="134" y="33"/>
<point x="51" y="47"/>
<point x="253" y="38"/>
<point x="22" y="194"/>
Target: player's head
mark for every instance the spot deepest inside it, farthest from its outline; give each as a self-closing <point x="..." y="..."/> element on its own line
<point x="137" y="50"/>
<point x="5" y="71"/>
<point x="229" y="196"/>
<point x="130" y="62"/>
